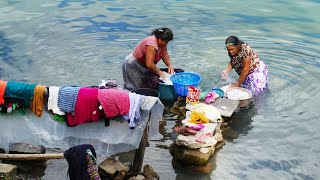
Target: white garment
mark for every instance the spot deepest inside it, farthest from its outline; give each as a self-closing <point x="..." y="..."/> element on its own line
<point x="53" y="100"/>
<point x="167" y="79"/>
<point x="134" y="112"/>
<point x="212" y="113"/>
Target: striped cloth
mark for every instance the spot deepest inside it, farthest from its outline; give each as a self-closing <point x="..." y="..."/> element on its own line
<point x="92" y="169"/>
<point x="67" y="98"/>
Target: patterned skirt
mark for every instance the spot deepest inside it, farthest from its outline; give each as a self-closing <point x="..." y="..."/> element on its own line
<point x="257" y="81"/>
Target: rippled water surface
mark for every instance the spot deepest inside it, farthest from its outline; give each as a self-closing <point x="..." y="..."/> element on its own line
<point x="80" y="42"/>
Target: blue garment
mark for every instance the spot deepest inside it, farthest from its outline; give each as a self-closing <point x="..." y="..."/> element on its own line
<point x="67" y="98"/>
<point x="20" y="90"/>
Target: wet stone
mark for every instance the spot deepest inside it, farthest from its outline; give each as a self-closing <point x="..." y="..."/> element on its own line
<point x="8" y="172"/>
<point x="111" y="167"/>
<point x="22" y="148"/>
<point x="191" y="156"/>
<point x="139" y="177"/>
<point x="149" y="172"/>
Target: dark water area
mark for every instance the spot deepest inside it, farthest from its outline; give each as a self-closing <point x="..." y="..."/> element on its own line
<point x="82" y="42"/>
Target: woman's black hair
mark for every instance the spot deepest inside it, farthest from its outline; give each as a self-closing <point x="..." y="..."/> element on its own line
<point x="233" y="40"/>
<point x="163" y="34"/>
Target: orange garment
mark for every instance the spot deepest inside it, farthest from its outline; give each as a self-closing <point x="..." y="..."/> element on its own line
<point x="37" y="101"/>
<point x="2" y="90"/>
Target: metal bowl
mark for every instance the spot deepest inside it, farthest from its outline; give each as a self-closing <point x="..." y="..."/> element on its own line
<point x="243" y="101"/>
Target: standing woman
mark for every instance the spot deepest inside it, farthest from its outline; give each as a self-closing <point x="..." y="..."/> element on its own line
<point x="141" y="63"/>
<point x="253" y="73"/>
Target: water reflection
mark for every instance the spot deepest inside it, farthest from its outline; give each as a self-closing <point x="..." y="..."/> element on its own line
<point x="193" y="172"/>
<point x="95" y="26"/>
<point x="283" y="165"/>
<point x="6" y="50"/>
<point x="66" y="3"/>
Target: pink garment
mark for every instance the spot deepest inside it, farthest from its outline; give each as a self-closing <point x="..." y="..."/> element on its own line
<point x="114" y="102"/>
<point x="197" y="127"/>
<point x="211" y="97"/>
<point x="203" y="137"/>
<point x="140" y="51"/>
<point x="86" y="109"/>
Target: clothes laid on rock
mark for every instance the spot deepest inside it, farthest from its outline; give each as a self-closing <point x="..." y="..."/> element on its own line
<point x="86" y="108"/>
<point x="77" y="105"/>
<point x="136" y="101"/>
<point x="20" y="90"/>
<point x="198" y="117"/>
<point x="3" y="85"/>
<point x="114" y="102"/>
<point x="199" y="125"/>
<point x="67" y="98"/>
<point x="53" y="100"/>
<point x="210" y="112"/>
<point x="185" y="130"/>
<point x="37" y="101"/>
<point x="203" y="137"/>
<point x="81" y="164"/>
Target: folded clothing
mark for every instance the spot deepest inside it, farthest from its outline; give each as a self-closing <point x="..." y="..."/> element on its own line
<point x="185" y="130"/>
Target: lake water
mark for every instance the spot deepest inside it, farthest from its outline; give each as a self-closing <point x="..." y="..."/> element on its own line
<point x="81" y="42"/>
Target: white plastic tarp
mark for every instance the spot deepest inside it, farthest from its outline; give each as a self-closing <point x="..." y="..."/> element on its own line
<point x="107" y="140"/>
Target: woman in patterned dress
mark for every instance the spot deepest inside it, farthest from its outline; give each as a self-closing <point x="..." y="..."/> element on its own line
<point x="253" y="73"/>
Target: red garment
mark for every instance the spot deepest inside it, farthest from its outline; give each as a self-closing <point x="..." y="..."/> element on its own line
<point x="86" y="109"/>
<point x="114" y="102"/>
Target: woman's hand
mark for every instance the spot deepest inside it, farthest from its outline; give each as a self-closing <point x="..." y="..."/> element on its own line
<point x="170" y="70"/>
<point x="235" y="84"/>
<point x="224" y="74"/>
<point x="163" y="76"/>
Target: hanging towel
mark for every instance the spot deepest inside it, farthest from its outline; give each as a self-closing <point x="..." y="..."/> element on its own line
<point x="37" y="101"/>
<point x="20" y="90"/>
<point x="86" y="109"/>
<point x="53" y="100"/>
<point x="114" y="102"/>
<point x="2" y="90"/>
<point x="67" y="98"/>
